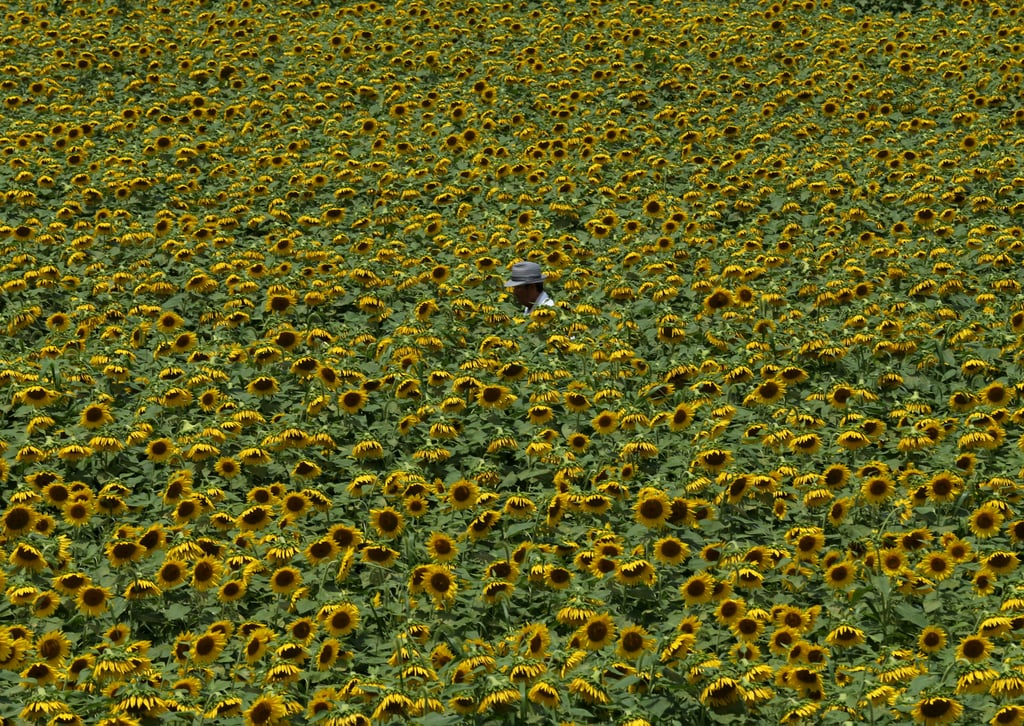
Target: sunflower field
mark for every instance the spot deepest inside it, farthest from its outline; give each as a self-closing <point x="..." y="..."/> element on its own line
<point x="278" y="446"/>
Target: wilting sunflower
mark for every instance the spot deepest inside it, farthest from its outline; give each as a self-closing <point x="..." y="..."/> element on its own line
<point x="845" y="636"/>
<point x="380" y="555"/>
<point x="263" y="386"/>
<point x="722" y="692"/>
<point x="713" y="460"/>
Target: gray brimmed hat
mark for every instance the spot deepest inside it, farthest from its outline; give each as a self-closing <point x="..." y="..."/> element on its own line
<point x="525" y="273"/>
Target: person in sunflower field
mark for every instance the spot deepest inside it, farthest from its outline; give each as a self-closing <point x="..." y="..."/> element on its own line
<point x="527" y="283"/>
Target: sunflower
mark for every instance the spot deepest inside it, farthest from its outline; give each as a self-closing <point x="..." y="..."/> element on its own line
<point x="605" y="422"/>
<point x="936" y="566"/>
<point x="698" y="589"/>
<point x="597" y="632"/>
<point x="285" y="580"/>
<point x="266" y="711"/>
<point x="931" y="640"/>
<point x="722" y="693"/>
<point x="160" y="450"/>
<point x="328" y="654"/>
<point x="262" y="386"/>
<point x="208" y="647"/>
<point x="713" y="460"/>
<point x="340" y="620"/>
<point x="380" y="555"/>
<point x="495" y="396"/>
<point x="1008" y="716"/>
<point x="45" y="604"/>
<point x="671" y="551"/>
<point x="681" y="417"/>
<point x="893" y="561"/>
<point x="353" y="401"/>
<point x="37" y="396"/>
<point x="344" y="536"/>
<point x="877" y="490"/>
<point x="944" y="487"/>
<point x="840" y="575"/>
<point x="93" y="600"/>
<point x="231" y="591"/>
<point x="95" y="416"/>
<point x="440" y="584"/>
<point x="576" y="402"/>
<point x="27" y="557"/>
<point x="540" y="414"/>
<point x="71" y="582"/>
<point x="367" y="449"/>
<point x="985" y="521"/>
<point x="838" y="511"/>
<point x="168" y="322"/>
<point x="321" y="550"/>
<point x="974" y="648"/>
<point x="766" y="393"/>
<point x="633" y="642"/>
<point x="254" y="518"/>
<point x="652" y="508"/>
<point x="227" y="467"/>
<point x="18" y="520"/>
<point x="205" y="574"/>
<point x="719" y="299"/>
<point x="53" y="647"/>
<point x="805" y="444"/>
<point x="845" y="636"/>
<point x="936" y="710"/>
<point x="747" y="629"/>
<point x="1001" y="562"/>
<point x="387" y="522"/>
<point x="463" y="494"/>
<point x="807" y="544"/>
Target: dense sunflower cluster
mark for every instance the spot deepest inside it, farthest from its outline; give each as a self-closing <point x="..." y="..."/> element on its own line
<point x="278" y="448"/>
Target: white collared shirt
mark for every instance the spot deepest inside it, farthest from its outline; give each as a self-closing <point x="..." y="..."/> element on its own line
<point x="542" y="299"/>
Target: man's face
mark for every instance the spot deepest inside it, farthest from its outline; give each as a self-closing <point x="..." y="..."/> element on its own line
<point x="525" y="294"/>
